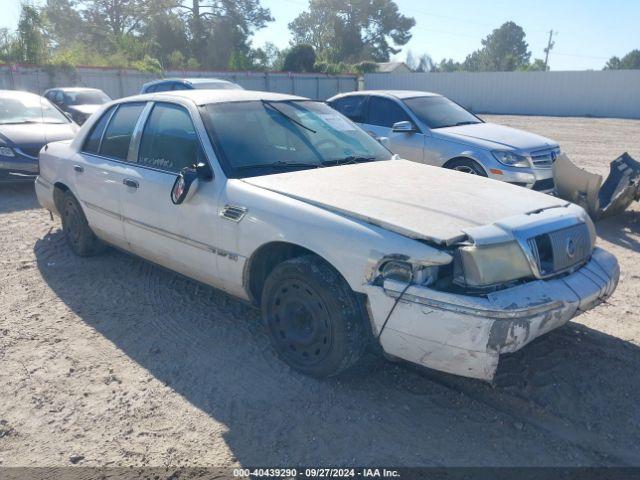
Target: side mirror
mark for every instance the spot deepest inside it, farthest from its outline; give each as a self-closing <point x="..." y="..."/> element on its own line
<point x="404" y="127"/>
<point x="384" y="141"/>
<point x="185" y="185"/>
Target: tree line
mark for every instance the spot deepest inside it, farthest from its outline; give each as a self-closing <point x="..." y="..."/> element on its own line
<point x="329" y="36"/>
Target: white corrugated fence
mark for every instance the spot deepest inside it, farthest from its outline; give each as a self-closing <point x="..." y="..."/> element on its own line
<point x="608" y="93"/>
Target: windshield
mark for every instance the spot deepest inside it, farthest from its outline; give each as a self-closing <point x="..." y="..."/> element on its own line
<point x="85" y="98"/>
<point x="440" y="112"/>
<point x="26" y="108"/>
<point x="263" y="137"/>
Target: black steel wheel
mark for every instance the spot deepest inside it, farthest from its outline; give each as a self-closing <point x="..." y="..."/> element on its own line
<point x="315" y="322"/>
<point x="77" y="232"/>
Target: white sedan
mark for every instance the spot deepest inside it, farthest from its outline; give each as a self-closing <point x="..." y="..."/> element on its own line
<point x="283" y="202"/>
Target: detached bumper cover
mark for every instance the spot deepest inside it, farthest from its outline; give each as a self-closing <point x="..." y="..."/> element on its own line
<point x="465" y="335"/>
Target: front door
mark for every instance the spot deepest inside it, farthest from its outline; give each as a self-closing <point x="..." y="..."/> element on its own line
<point x="180" y="237"/>
<point x="382" y="114"/>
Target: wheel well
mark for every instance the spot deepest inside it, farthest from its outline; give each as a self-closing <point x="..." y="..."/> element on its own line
<point x="454" y="159"/>
<point x="264" y="260"/>
<point x="268" y="256"/>
<point x="59" y="189"/>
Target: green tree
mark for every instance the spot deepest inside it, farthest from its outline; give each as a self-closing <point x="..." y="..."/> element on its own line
<point x="300" y="58"/>
<point x="220" y="28"/>
<point x="352" y="30"/>
<point x="503" y="50"/>
<point x="536" y="66"/>
<point x="631" y="61"/>
<point x="30" y="44"/>
<point x="448" y="65"/>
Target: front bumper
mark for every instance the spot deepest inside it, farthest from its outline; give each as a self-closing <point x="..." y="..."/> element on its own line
<point x="465" y="335"/>
<point x="18" y="167"/>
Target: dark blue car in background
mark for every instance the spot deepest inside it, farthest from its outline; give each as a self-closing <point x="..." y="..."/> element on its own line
<point x="27" y="123"/>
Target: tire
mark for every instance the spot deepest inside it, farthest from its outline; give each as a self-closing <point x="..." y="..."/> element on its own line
<point x="466" y="165"/>
<point x="77" y="232"/>
<point x="315" y="322"/>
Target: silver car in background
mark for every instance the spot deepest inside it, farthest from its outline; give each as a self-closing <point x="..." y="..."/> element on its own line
<point x="429" y="128"/>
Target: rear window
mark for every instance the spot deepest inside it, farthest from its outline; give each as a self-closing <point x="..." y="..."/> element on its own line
<point x="351" y="107"/>
<point x="92" y="143"/>
<point x="117" y="137"/>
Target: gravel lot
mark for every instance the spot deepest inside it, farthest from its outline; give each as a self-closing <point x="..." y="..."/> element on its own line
<point x="113" y="361"/>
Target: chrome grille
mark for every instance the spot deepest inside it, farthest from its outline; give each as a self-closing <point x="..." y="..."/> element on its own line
<point x="558" y="251"/>
<point x="544" y="158"/>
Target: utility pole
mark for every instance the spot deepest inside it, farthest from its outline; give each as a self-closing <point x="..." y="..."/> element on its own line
<point x="550" y="45"/>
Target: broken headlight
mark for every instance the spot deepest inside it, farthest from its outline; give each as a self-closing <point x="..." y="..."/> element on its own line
<point x="406" y="272"/>
<point x="489" y="265"/>
<point x="511" y="159"/>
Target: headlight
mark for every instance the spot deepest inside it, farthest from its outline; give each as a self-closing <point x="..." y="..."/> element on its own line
<point x="6" y="152"/>
<point x="487" y="265"/>
<point x="406" y="272"/>
<point x="511" y="159"/>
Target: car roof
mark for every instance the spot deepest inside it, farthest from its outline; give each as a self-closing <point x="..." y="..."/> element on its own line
<point x="192" y="81"/>
<point x="14" y="93"/>
<point x="399" y="94"/>
<point x="74" y="89"/>
<point x="205" y="97"/>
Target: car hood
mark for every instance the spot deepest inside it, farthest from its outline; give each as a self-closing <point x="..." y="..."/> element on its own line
<point x="36" y="134"/>
<point x="492" y="135"/>
<point x="411" y="199"/>
<point x="84" y="109"/>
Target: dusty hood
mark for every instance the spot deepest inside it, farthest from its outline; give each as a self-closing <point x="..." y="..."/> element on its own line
<point x="499" y="135"/>
<point x="412" y="199"/>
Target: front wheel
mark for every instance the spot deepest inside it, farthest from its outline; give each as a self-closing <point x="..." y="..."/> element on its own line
<point x="76" y="229"/>
<point x="315" y="322"/>
<point x="465" y="165"/>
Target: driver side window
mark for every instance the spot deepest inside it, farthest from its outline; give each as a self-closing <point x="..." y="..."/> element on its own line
<point x="169" y="140"/>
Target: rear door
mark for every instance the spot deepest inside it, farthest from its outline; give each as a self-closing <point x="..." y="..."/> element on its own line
<point x="180" y="237"/>
<point x="99" y="170"/>
<point x="382" y="113"/>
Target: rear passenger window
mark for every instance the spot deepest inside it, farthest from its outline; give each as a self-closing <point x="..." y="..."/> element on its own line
<point x="169" y="141"/>
<point x="92" y="143"/>
<point x="384" y="112"/>
<point x="351" y="107"/>
<point x="117" y="138"/>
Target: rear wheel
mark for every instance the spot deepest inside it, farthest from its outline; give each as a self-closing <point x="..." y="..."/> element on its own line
<point x="315" y="322"/>
<point x="76" y="229"/>
<point x="466" y="165"/>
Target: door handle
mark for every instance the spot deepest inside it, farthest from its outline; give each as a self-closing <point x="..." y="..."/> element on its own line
<point x="78" y="168"/>
<point x="130" y="183"/>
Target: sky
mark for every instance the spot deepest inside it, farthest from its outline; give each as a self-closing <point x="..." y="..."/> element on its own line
<point x="589" y="32"/>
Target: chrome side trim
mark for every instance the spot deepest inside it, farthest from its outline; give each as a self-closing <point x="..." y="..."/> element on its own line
<point x="104" y="211"/>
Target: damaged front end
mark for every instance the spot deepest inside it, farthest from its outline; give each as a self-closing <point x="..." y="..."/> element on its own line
<point x="505" y="285"/>
<point x="586" y="189"/>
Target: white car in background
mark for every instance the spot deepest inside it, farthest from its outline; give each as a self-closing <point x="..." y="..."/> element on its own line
<point x="429" y="128"/>
<point x="283" y="202"/>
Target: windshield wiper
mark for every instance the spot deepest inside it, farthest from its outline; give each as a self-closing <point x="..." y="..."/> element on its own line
<point x="468" y="122"/>
<point x="279" y="165"/>
<point x="349" y="159"/>
<point x="291" y="119"/>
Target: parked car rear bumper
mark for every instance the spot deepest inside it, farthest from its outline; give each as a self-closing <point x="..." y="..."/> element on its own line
<point x="465" y="335"/>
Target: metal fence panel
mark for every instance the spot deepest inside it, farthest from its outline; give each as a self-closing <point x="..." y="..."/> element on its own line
<point x="122" y="83"/>
<point x="608" y="93"/>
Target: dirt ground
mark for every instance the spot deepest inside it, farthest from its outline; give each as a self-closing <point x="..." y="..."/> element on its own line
<point x="111" y="361"/>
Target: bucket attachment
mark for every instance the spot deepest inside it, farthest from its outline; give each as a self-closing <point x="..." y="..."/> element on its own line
<point x="586" y="189"/>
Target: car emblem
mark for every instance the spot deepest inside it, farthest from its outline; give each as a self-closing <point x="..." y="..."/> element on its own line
<point x="571" y="248"/>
